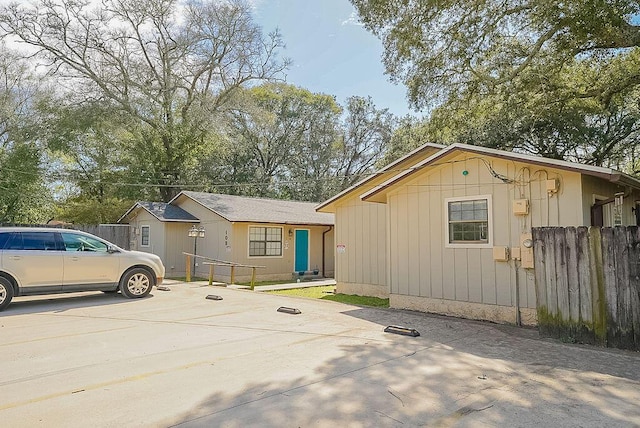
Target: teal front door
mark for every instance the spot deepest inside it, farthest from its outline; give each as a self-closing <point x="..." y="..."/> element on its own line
<point x="302" y="250"/>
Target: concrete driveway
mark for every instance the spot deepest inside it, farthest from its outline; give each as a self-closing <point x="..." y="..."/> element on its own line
<point x="178" y="359"/>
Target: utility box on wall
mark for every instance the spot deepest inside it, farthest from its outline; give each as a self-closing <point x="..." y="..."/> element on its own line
<point x="501" y="254"/>
<point x="521" y="207"/>
<point x="526" y="250"/>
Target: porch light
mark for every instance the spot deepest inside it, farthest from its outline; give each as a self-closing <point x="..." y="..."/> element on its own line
<point x="195" y="233"/>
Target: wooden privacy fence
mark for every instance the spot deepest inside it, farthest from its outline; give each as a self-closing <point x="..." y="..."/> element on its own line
<point x="588" y="284"/>
<point x="119" y="234"/>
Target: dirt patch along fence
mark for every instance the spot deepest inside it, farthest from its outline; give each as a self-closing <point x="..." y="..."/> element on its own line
<point x="588" y="284"/>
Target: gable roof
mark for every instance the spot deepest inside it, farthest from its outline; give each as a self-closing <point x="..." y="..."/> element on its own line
<point x="376" y="194"/>
<point x="258" y="210"/>
<point x="163" y="212"/>
<point x="387" y="170"/>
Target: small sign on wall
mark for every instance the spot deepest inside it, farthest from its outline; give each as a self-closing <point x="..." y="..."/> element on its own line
<point x="341" y="248"/>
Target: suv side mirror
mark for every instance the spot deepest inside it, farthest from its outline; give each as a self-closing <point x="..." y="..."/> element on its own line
<point x="111" y="249"/>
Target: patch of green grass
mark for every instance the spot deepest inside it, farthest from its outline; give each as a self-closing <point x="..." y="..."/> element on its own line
<point x="352" y="299"/>
<point x="326" y="293"/>
<point x="310" y="292"/>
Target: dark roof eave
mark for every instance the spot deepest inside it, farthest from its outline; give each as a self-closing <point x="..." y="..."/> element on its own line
<point x="287" y="223"/>
<point x="625" y="180"/>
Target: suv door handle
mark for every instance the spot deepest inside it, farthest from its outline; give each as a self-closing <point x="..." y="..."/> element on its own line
<point x="15" y="257"/>
<point x="75" y="258"/>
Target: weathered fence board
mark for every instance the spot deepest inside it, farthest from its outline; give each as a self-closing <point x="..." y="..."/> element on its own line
<point x="572" y="274"/>
<point x="588" y="284"/>
<point x="540" y="267"/>
<point x="562" y="284"/>
<point x="550" y="265"/>
<point x="634" y="282"/>
<point x="583" y="265"/>
<point x="119" y="234"/>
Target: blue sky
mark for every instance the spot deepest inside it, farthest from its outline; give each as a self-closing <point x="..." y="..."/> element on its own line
<point x="331" y="52"/>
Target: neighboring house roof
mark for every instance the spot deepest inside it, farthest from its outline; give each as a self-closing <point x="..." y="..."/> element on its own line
<point x="378" y="193"/>
<point x="163" y="212"/>
<point x="387" y="169"/>
<point x="259" y="210"/>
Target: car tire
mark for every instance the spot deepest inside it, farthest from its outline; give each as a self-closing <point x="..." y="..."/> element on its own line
<point x="136" y="283"/>
<point x="6" y="293"/>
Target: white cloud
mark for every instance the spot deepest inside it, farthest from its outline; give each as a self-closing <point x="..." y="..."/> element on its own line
<point x="353" y="19"/>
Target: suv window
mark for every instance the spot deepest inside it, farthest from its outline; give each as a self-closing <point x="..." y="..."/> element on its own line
<point x="39" y="241"/>
<point x="77" y="242"/>
<point x="4" y="237"/>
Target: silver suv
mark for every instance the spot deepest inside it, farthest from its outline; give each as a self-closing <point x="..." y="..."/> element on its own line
<point x="48" y="261"/>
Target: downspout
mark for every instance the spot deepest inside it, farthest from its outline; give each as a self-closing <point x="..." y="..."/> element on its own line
<point x="518" y="315"/>
<point x="323" y="248"/>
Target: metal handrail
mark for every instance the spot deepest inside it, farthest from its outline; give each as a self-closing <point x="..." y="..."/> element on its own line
<point x="214" y="262"/>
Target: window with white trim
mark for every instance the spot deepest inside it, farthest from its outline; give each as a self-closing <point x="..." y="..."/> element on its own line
<point x="468" y="220"/>
<point x="265" y="241"/>
<point x="145" y="232"/>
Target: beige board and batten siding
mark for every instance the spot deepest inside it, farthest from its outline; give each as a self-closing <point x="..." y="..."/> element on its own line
<point x="427" y="274"/>
<point x="218" y="231"/>
<point x="361" y="255"/>
<point x="177" y="243"/>
<point x="361" y="232"/>
<point x="156" y="233"/>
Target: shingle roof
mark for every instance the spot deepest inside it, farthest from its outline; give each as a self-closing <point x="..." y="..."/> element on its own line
<point x="162" y="211"/>
<point x="260" y="210"/>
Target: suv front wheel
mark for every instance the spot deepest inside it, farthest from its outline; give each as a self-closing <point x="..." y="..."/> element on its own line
<point x="6" y="293"/>
<point x="136" y="282"/>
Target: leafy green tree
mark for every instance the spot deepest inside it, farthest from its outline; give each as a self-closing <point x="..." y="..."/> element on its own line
<point x="24" y="197"/>
<point x="578" y="129"/>
<point x="88" y="141"/>
<point x="171" y="67"/>
<point x="91" y="161"/>
<point x="284" y="138"/>
<point x="409" y="133"/>
<point x="557" y="79"/>
<point x="442" y="49"/>
<point x="366" y="138"/>
<point x="82" y="209"/>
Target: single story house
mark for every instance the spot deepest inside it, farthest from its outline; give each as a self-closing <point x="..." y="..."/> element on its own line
<point x="448" y="229"/>
<point x="286" y="237"/>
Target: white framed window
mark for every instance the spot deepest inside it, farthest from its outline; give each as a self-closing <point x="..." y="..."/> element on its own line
<point x="265" y="241"/>
<point x="469" y="222"/>
<point x="145" y="232"/>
